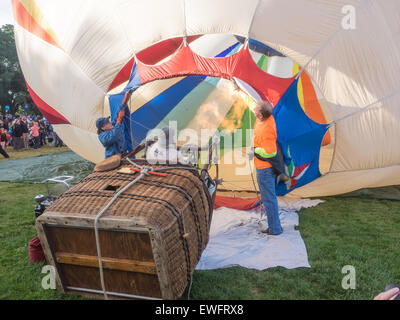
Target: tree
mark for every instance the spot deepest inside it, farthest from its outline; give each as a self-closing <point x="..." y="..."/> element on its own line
<point x="13" y="90"/>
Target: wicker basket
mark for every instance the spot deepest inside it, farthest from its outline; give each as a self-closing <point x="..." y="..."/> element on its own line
<point x="151" y="237"/>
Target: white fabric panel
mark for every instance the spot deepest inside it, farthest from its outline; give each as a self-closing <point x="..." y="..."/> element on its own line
<point x="147" y="22"/>
<point x="63" y="16"/>
<point x="211" y="45"/>
<point x="219" y="16"/>
<point x="256" y="56"/>
<point x="91" y="34"/>
<point x="342" y="182"/>
<point x="281" y="67"/>
<point x="359" y="74"/>
<point x="369" y="139"/>
<point x="84" y="143"/>
<point x="298" y="28"/>
<point x="320" y="96"/>
<point x="391" y="18"/>
<point x="58" y="81"/>
<point x="247" y="89"/>
<point x="359" y="66"/>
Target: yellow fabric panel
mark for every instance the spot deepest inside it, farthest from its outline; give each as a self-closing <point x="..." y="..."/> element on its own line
<point x="300" y="93"/>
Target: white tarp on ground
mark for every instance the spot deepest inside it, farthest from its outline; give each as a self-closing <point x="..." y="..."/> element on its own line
<point x="236" y="239"/>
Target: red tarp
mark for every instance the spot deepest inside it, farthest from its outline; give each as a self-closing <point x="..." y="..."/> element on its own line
<point x="235" y="203"/>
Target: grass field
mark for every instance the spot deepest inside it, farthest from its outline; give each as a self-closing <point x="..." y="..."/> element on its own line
<point x="363" y="233"/>
<point x="32" y="152"/>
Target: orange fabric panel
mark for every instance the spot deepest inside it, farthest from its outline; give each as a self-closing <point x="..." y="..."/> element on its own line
<point x="26" y="21"/>
<point x="312" y="107"/>
<point x="265" y="137"/>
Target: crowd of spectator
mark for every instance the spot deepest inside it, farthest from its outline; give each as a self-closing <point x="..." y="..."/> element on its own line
<point x="24" y="132"/>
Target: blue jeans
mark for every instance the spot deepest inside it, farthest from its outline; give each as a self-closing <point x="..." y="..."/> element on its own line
<point x="266" y="179"/>
<point x="35" y="142"/>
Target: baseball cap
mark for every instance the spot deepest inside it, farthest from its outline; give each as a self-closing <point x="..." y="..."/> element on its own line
<point x="101" y="122"/>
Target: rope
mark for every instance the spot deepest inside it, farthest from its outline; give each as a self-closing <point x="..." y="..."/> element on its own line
<point x="190" y="287"/>
<point x="96" y="230"/>
<point x="251" y="167"/>
<point x="182" y="223"/>
<point x="144" y="171"/>
<point x="161" y="169"/>
<point x="185" y="21"/>
<point x="130" y="123"/>
<point x="192" y="205"/>
<point x="333" y="35"/>
<point x="252" y="21"/>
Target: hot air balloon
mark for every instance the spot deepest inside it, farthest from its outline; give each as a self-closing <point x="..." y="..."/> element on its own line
<point x="334" y="84"/>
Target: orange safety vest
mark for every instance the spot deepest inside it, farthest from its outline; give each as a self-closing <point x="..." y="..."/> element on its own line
<point x="265" y="137"/>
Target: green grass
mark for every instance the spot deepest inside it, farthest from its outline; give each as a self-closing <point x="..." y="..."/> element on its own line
<point x="363" y="233"/>
<point x="342" y="231"/>
<point x="19" y="278"/>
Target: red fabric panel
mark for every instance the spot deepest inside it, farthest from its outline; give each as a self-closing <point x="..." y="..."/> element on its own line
<point x="48" y="112"/>
<point x="298" y="170"/>
<point x="265" y="84"/>
<point x="182" y="63"/>
<point x="150" y="56"/>
<point x="36" y="253"/>
<point x="235" y="203"/>
<point x="26" y="21"/>
<point x="163" y="49"/>
<point x="123" y="75"/>
<point x="240" y="65"/>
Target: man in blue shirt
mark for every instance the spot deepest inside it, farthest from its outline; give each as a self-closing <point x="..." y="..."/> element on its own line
<point x="112" y="137"/>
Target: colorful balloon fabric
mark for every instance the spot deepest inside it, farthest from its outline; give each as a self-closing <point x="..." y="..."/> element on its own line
<point x="183" y="56"/>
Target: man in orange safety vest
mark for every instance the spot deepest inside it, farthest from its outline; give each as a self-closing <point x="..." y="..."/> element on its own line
<point x="265" y="151"/>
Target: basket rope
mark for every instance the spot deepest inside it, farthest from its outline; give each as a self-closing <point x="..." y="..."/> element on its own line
<point x="96" y="226"/>
<point x="145" y="172"/>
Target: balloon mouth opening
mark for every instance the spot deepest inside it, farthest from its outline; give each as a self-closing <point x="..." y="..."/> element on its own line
<point x="177" y="69"/>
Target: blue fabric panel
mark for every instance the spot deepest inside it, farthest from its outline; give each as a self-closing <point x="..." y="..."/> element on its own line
<point x="299" y="137"/>
<point x="260" y="47"/>
<point x="151" y="114"/>
<point x="134" y="80"/>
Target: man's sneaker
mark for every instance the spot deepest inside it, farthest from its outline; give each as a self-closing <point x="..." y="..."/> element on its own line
<point x="271" y="234"/>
